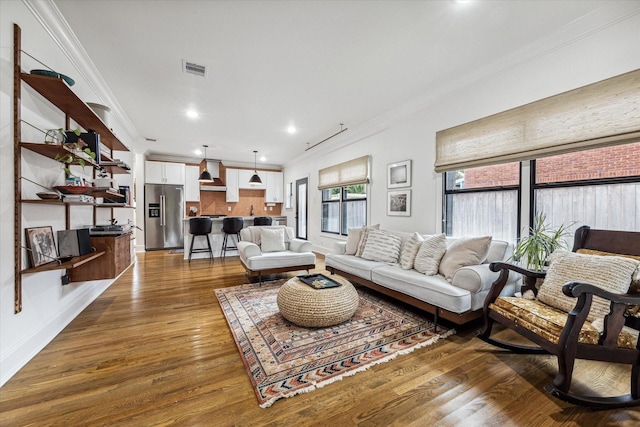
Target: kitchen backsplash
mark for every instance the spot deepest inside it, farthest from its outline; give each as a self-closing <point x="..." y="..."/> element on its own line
<point x="215" y="203"/>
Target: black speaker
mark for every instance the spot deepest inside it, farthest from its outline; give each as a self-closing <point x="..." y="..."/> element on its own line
<point x="74" y="242"/>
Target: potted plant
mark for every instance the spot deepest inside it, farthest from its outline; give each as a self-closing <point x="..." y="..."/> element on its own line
<point x="534" y="249"/>
<point x="79" y="153"/>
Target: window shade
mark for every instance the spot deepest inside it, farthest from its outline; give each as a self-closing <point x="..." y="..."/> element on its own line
<point x="353" y="172"/>
<point x="600" y="114"/>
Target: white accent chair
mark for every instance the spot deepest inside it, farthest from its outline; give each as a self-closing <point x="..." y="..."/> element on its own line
<point x="273" y="251"/>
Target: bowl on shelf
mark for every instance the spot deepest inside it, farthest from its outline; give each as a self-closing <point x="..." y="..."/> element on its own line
<point x="50" y="73"/>
<point x="74" y="189"/>
<point x="48" y="195"/>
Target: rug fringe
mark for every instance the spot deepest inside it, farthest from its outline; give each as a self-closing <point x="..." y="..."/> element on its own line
<point x="317" y="385"/>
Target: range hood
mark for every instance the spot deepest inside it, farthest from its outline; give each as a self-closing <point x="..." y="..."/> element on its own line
<point x="213" y="166"/>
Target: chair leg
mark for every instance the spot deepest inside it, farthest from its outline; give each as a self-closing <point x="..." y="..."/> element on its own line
<point x="210" y="249"/>
<point x="224" y="245"/>
<point x="193" y="238"/>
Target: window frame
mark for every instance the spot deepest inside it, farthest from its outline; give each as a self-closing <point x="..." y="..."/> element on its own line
<point x="446" y="213"/>
<point x="341" y="211"/>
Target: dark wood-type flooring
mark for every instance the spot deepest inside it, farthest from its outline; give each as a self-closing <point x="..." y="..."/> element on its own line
<point x="155" y="349"/>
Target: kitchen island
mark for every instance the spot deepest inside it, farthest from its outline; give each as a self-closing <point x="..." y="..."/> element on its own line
<point x="216" y="236"/>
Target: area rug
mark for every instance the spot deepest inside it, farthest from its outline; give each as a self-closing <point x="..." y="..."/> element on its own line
<point x="283" y="359"/>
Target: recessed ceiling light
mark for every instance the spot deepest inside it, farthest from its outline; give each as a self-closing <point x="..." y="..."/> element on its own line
<point x="192" y="114"/>
<point x="291" y="129"/>
<point x="197" y="152"/>
<point x="263" y="159"/>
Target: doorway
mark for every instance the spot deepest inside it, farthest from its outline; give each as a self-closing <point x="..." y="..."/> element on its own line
<point x="302" y="203"/>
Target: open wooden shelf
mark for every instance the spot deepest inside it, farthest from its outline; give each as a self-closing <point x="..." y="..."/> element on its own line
<point x="57" y="92"/>
<point x="74" y="262"/>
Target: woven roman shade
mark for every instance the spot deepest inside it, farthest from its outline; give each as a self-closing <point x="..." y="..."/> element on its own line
<point x="597" y="115"/>
<point x="353" y="172"/>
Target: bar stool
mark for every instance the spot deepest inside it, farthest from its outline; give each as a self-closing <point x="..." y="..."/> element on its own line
<point x="230" y="227"/>
<point x="262" y="220"/>
<point x="200" y="227"/>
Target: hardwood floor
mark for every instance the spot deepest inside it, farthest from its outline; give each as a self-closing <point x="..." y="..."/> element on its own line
<point x="155" y="349"/>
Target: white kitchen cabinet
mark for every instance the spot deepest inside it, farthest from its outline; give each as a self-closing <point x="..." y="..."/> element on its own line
<point x="191" y="184"/>
<point x="164" y="173"/>
<point x="274" y="192"/>
<point x="244" y="175"/>
<point x="233" y="193"/>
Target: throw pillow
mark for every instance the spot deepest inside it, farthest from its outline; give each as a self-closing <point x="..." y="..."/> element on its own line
<point x="272" y="240"/>
<point x="611" y="273"/>
<point x="635" y="279"/>
<point x="410" y="250"/>
<point x="464" y="252"/>
<point x="382" y="246"/>
<point x="363" y="238"/>
<point x="430" y="253"/>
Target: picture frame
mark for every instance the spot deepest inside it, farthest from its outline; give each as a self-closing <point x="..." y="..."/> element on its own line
<point x="399" y="174"/>
<point x="399" y="203"/>
<point x="41" y="245"/>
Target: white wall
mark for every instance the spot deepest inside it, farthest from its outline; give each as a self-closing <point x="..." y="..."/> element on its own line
<point x="47" y="306"/>
<point x="583" y="54"/>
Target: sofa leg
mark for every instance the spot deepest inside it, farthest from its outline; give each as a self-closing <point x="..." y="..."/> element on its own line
<point x="436" y="317"/>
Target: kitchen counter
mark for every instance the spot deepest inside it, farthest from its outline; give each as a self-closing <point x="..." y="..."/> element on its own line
<point x="216" y="236"/>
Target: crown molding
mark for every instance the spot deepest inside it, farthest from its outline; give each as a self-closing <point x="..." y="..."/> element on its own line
<point x="49" y="16"/>
<point x="592" y="23"/>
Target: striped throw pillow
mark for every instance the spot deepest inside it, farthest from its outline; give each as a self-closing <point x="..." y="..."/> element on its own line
<point x="430" y="253"/>
<point x="382" y="246"/>
<point x="410" y="250"/>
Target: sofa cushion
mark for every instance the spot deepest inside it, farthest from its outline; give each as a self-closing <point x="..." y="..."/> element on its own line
<point x="432" y="289"/>
<point x="611" y="273"/>
<point x="409" y="251"/>
<point x="274" y="260"/>
<point x="430" y="253"/>
<point x="352" y="264"/>
<point x="464" y="252"/>
<point x="382" y="246"/>
<point x="272" y="240"/>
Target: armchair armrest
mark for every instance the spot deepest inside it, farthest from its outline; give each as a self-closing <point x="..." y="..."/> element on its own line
<point x="339" y="248"/>
<point x="613" y="322"/>
<point x="299" y="245"/>
<point x="248" y="249"/>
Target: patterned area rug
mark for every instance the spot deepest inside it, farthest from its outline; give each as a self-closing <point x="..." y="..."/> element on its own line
<point x="283" y="359"/>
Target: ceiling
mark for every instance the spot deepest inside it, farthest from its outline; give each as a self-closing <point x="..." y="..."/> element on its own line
<point x="310" y="64"/>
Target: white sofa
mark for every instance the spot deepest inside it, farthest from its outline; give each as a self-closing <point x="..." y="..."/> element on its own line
<point x="274" y="256"/>
<point x="459" y="301"/>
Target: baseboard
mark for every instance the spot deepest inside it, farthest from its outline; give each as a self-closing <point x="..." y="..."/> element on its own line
<point x="20" y="354"/>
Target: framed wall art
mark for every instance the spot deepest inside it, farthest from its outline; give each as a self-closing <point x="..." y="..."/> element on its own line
<point x="399" y="203"/>
<point x="41" y="245"/>
<point x="399" y="174"/>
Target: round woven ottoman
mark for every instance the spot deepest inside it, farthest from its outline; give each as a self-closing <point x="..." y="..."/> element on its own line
<point x="305" y="306"/>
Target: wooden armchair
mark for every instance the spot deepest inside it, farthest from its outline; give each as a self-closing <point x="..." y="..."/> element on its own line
<point x="577" y="332"/>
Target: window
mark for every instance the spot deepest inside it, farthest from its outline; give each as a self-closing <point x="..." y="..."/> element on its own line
<point x="599" y="188"/>
<point x="483" y="201"/>
<point x="344" y="207"/>
<point x="344" y="195"/>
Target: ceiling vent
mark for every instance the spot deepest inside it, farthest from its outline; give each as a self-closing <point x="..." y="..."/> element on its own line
<point x="193" y="68"/>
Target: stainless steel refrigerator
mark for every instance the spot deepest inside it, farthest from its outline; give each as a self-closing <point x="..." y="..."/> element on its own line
<point x="163" y="212"/>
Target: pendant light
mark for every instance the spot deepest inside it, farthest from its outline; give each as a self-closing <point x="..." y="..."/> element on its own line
<point x="255" y="179"/>
<point x="205" y="176"/>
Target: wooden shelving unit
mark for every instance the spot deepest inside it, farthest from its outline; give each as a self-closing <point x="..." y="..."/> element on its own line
<point x="58" y="93"/>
